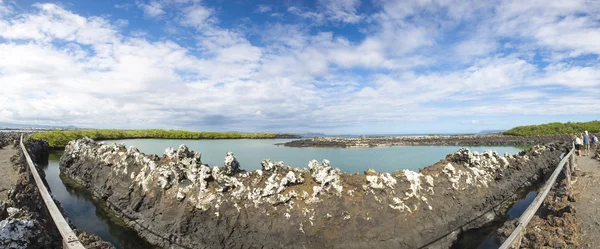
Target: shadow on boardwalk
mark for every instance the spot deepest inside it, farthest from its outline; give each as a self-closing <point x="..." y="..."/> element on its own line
<point x="588" y="203"/>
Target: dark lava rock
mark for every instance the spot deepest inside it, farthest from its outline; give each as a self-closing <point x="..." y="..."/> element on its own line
<point x="92" y="241"/>
<point x="175" y="201"/>
<point x="38" y="150"/>
<point x="9" y="138"/>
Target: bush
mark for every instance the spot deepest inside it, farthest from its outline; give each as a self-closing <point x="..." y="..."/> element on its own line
<point x="555" y="128"/>
<point x="60" y="138"/>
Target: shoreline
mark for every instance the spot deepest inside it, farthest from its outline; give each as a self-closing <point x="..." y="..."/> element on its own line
<point x="458" y="140"/>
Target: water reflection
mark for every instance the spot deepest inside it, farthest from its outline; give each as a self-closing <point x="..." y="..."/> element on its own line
<point x="86" y="212"/>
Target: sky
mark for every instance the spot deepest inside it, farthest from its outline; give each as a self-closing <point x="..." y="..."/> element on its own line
<point x="333" y="66"/>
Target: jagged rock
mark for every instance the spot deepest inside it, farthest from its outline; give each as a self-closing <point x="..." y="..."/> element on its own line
<point x="92" y="241"/>
<point x="316" y="208"/>
<point x="327" y="176"/>
<point x="370" y="172"/>
<point x="18" y="231"/>
<point x="9" y="138"/>
<point x="232" y="166"/>
<point x="268" y="165"/>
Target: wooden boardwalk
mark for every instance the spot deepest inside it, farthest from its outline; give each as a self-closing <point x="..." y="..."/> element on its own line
<point x="587" y="206"/>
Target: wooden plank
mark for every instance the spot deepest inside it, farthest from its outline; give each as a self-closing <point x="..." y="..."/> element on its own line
<point x="69" y="237"/>
<point x="535" y="205"/>
<point x="567" y="171"/>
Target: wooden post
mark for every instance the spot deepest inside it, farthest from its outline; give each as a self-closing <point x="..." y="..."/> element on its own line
<point x="567" y="171"/>
<point x="572" y="162"/>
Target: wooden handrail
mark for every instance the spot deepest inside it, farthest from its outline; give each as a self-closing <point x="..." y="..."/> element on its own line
<point x="535" y="205"/>
<point x="70" y="240"/>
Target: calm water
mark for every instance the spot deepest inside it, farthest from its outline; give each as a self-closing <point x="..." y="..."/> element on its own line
<point x="251" y="152"/>
<point x="85" y="214"/>
<point x="89" y="216"/>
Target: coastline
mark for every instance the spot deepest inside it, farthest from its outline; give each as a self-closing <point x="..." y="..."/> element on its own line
<point x="458" y="140"/>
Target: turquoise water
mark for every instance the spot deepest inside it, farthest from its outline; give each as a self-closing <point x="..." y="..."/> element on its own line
<point x="250" y="152"/>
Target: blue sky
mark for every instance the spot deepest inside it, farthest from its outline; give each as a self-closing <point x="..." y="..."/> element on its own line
<point x="334" y="66"/>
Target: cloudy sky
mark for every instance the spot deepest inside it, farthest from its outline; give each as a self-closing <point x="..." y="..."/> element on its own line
<point x="335" y="66"/>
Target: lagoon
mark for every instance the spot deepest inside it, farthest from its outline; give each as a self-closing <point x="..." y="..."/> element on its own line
<point x="250" y="153"/>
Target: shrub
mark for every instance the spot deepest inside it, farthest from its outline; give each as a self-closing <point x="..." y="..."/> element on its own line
<point x="60" y="138"/>
<point x="555" y="128"/>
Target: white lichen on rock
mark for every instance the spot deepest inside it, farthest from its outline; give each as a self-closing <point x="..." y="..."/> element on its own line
<point x="480" y="169"/>
<point x="17" y="230"/>
<point x="268" y="165"/>
<point x="327" y="176"/>
<point x="380" y="181"/>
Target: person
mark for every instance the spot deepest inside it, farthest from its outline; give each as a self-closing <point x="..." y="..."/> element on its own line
<point x="577" y="144"/>
<point x="586" y="144"/>
<point x="594" y="142"/>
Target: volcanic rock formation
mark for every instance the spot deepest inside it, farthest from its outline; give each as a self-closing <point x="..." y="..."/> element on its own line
<point x="176" y="201"/>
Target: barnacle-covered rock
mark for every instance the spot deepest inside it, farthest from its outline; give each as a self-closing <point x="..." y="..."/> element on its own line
<point x="226" y="205"/>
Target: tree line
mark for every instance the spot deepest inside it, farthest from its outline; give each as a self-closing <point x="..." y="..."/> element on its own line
<point x="60" y="138"/>
<point x="555" y="128"/>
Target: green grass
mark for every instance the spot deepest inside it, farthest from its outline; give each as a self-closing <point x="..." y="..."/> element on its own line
<point x="60" y="138"/>
<point x="555" y="128"/>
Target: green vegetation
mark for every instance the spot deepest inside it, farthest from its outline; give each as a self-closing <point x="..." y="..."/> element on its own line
<point x="555" y="128"/>
<point x="60" y="138"/>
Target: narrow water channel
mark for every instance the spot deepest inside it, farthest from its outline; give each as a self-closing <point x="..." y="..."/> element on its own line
<point x="83" y="212"/>
<point x="485" y="237"/>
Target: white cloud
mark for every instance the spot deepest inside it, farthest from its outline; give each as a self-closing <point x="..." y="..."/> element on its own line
<point x="153" y="9"/>
<point x="410" y="60"/>
<point x="555" y="25"/>
<point x="4" y="9"/>
<point x="309" y="15"/>
<point x="54" y="22"/>
<point x="196" y="16"/>
<point x="124" y="6"/>
<point x="263" y="8"/>
<point x="342" y="10"/>
<point x="571" y="76"/>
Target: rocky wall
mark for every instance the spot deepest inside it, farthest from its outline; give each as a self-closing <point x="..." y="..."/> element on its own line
<point x="175" y="201"/>
<point x="9" y="138"/>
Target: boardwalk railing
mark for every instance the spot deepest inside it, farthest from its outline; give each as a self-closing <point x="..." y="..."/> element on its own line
<point x="70" y="240"/>
<point x="514" y="240"/>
